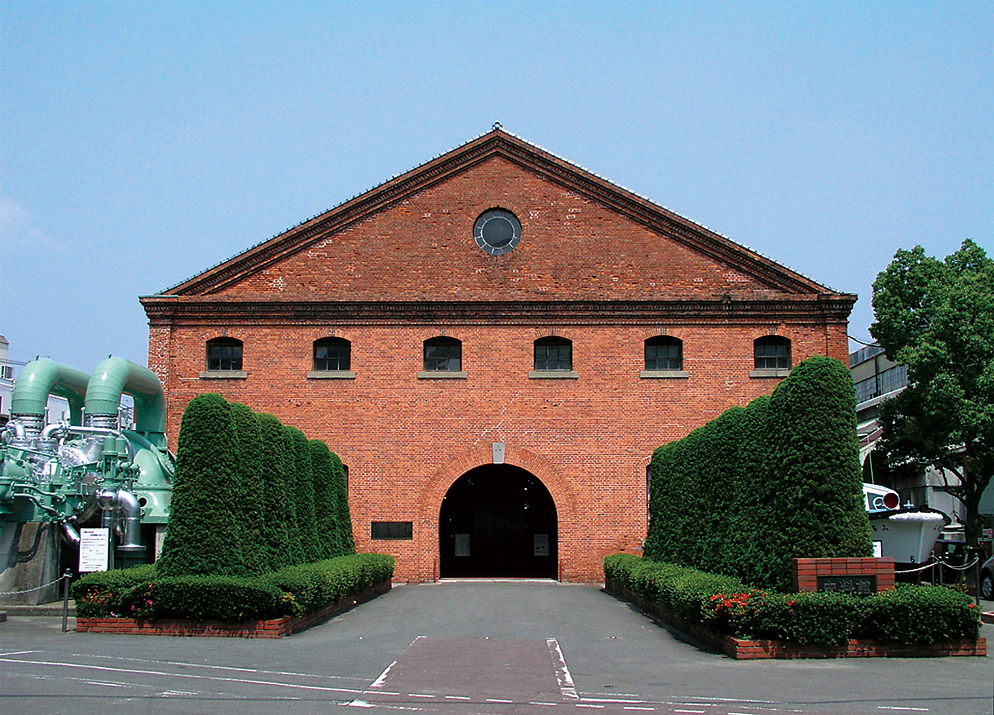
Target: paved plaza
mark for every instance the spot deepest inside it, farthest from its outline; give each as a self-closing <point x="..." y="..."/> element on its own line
<point x="464" y="648"/>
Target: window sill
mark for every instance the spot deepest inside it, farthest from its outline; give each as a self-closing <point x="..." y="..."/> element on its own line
<point x="663" y="374"/>
<point x="778" y="372"/>
<point x="331" y="375"/>
<point x="553" y="375"/>
<point x="442" y="375"/>
<point x="223" y="375"/>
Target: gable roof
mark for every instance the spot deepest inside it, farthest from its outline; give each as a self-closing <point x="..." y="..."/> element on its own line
<point x="510" y="147"/>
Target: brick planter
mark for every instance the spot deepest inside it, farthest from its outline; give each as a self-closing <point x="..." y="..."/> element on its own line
<point x="272" y="628"/>
<point x="742" y="649"/>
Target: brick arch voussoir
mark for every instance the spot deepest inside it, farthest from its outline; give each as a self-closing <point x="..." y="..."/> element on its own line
<point x="456" y="466"/>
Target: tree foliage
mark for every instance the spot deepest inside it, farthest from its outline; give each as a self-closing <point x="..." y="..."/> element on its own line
<point x="937" y="317"/>
<point x="277" y="469"/>
<point x="756" y="487"/>
<point x="252" y="489"/>
<point x="204" y="536"/>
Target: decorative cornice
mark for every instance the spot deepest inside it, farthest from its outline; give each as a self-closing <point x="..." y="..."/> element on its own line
<point x="528" y="156"/>
<point x="823" y="308"/>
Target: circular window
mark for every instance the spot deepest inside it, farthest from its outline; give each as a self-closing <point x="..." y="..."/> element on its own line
<point x="497" y="231"/>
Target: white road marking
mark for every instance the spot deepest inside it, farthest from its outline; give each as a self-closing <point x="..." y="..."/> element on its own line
<point x="189" y="676"/>
<point x="421" y="695"/>
<point x="566" y="685"/>
<point x="457" y="697"/>
<point x="499" y="700"/>
<point x="533" y="702"/>
<point x="891" y="707"/>
<point x="650" y="710"/>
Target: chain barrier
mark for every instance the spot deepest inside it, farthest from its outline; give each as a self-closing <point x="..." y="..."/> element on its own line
<point x="932" y="562"/>
<point x="32" y="590"/>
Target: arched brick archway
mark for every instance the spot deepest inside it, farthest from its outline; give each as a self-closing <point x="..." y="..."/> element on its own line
<point x="459" y="464"/>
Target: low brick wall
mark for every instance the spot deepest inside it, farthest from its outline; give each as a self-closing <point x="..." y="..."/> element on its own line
<point x="807" y="571"/>
<point x="272" y="628"/>
<point x="742" y="649"/>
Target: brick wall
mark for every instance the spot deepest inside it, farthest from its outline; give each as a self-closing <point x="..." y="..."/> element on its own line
<point x="582" y="271"/>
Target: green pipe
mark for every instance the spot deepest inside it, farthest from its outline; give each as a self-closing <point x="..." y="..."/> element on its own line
<point x="44" y="377"/>
<point x="115" y="376"/>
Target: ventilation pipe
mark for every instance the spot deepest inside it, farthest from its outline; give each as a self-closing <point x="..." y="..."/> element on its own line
<point x="116" y="376"/>
<point x="35" y="383"/>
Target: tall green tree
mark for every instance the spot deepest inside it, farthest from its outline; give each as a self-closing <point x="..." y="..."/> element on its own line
<point x="304" y="493"/>
<point x="277" y="466"/>
<point x="252" y="489"/>
<point x="937" y="317"/>
<point x="325" y="500"/>
<point x="204" y="536"/>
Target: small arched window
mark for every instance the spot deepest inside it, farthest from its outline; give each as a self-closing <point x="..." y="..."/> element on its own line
<point x="443" y="355"/>
<point x="553" y="354"/>
<point x="663" y="353"/>
<point x="772" y="353"/>
<point x="224" y="354"/>
<point x="332" y="355"/>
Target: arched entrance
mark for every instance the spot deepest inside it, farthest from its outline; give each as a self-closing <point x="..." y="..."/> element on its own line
<point x="498" y="520"/>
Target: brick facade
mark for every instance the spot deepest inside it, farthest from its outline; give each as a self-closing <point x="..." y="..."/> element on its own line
<point x="398" y="265"/>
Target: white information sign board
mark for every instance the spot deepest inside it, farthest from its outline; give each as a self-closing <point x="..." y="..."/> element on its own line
<point x="94" y="549"/>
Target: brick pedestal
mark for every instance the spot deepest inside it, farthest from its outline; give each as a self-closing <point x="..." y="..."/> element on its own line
<point x="807" y="571"/>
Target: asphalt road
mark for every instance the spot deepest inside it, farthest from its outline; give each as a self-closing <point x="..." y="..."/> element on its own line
<point x="464" y="648"/>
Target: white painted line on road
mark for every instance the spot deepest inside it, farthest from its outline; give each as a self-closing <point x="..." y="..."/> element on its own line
<point x="534" y="702"/>
<point x="695" y="712"/>
<point x="648" y="710"/>
<point x="499" y="700"/>
<point x="457" y="697"/>
<point x="189" y="676"/>
<point x="421" y="695"/>
<point x="595" y="707"/>
<point x="18" y="652"/>
<point x="905" y="709"/>
<point x="106" y="684"/>
<point x="630" y="701"/>
<point x="208" y="666"/>
<point x="566" y="685"/>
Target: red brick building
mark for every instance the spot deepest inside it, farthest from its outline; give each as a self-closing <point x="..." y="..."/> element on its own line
<point x="494" y="343"/>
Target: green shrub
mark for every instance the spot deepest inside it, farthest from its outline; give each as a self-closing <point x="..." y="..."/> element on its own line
<point x="222" y="598"/>
<point x="295" y="590"/>
<point x="105" y="593"/>
<point x="280" y="515"/>
<point x="325" y="500"/>
<point x="252" y="490"/>
<point x="303" y="490"/>
<point x="346" y="540"/>
<point x="921" y="614"/>
<point x="756" y="487"/>
<point x="907" y="614"/>
<point x="204" y="535"/>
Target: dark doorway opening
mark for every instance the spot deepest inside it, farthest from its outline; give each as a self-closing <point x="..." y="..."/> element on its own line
<point x="498" y="520"/>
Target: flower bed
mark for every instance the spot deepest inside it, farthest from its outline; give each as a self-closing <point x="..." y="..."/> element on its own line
<point x="745" y="622"/>
<point x="755" y="649"/>
<point x="269" y="628"/>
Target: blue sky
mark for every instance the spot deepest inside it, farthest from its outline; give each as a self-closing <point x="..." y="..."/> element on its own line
<point x="141" y="143"/>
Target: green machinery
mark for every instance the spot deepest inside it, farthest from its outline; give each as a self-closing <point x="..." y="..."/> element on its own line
<point x="87" y="471"/>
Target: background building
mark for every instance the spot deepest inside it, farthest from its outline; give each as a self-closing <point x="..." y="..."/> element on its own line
<point x="494" y="342"/>
<point x="878" y="378"/>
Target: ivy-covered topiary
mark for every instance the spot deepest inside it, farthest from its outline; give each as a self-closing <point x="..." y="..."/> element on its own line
<point x="252" y="495"/>
<point x="204" y="536"/>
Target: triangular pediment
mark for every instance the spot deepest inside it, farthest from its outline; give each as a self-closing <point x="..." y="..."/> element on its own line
<point x="584" y="238"/>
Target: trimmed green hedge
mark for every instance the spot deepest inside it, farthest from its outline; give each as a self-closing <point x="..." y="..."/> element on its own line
<point x="761" y="485"/>
<point x="907" y="614"/>
<point x="295" y="590"/>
